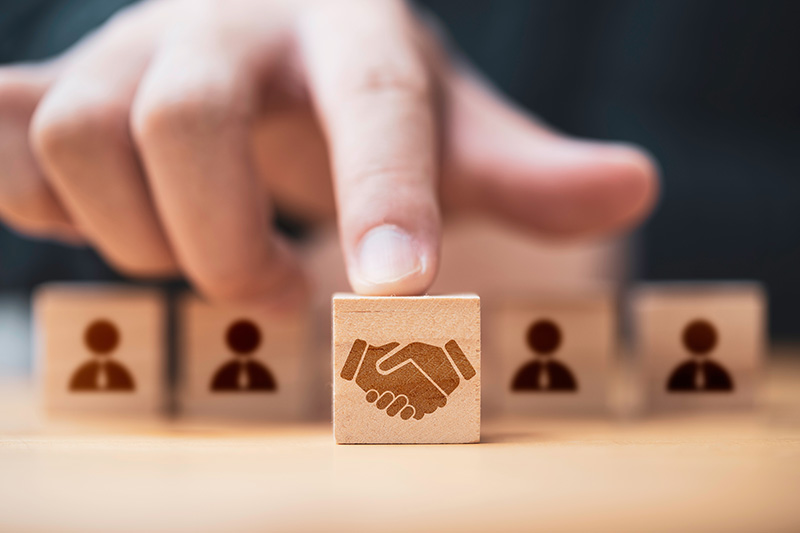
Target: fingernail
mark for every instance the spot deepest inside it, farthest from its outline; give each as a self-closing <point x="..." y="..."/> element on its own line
<point x="387" y="254"/>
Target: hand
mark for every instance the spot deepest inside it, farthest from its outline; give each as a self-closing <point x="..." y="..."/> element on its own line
<point x="167" y="138"/>
<point x="414" y="381"/>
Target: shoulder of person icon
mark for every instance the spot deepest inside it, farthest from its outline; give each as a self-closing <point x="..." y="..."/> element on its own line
<point x="716" y="377"/>
<point x="85" y="377"/>
<point x="228" y="377"/>
<point x="527" y="378"/>
<point x="557" y="378"/>
<point x="682" y="378"/>
<point x="561" y="378"/>
<point x="119" y="379"/>
<point x="260" y="378"/>
<point x="115" y="377"/>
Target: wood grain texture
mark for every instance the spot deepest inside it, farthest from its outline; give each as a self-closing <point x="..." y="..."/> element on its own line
<point x="525" y="376"/>
<point x="735" y="472"/>
<point x="733" y="313"/>
<point x="125" y="375"/>
<point x="209" y="358"/>
<point x="406" y="369"/>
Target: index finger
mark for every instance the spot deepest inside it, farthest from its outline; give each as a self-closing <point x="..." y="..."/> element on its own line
<point x="375" y="97"/>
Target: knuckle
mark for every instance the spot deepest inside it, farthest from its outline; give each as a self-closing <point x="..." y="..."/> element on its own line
<point x="136" y="253"/>
<point x="227" y="283"/>
<point x="241" y="272"/>
<point x="399" y="177"/>
<point x="390" y="81"/>
<point x="60" y="130"/>
<point x="191" y="112"/>
<point x="29" y="206"/>
<point x="135" y="264"/>
<point x="33" y="202"/>
<point x="17" y="91"/>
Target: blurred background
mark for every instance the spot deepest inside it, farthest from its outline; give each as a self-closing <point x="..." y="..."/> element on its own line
<point x="709" y="87"/>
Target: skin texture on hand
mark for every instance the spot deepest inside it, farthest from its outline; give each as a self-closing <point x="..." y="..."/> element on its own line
<point x="167" y="138"/>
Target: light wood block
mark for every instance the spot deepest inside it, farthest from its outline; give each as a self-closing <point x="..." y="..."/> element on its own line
<point x="700" y="344"/>
<point x="555" y="353"/>
<point x="101" y="350"/>
<point x="406" y="369"/>
<point x="734" y="472"/>
<point x="242" y="362"/>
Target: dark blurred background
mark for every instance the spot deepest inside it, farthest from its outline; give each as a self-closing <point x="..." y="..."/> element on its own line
<point x="711" y="88"/>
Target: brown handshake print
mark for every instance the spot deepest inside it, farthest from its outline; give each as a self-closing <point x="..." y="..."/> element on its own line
<point x="413" y="381"/>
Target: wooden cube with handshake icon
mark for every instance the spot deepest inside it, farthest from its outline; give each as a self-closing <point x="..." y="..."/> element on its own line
<point x="406" y="370"/>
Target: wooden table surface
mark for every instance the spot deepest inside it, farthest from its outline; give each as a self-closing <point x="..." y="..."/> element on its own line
<point x="725" y="472"/>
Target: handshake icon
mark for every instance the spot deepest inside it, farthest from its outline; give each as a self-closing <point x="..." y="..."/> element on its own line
<point x="412" y="381"/>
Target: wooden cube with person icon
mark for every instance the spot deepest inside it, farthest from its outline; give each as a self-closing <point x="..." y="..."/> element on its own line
<point x="554" y="353"/>
<point x="701" y="344"/>
<point x="406" y="370"/>
<point x="242" y="362"/>
<point x="101" y="350"/>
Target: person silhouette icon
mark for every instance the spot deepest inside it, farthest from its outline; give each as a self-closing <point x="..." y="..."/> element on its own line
<point x="700" y="374"/>
<point x="243" y="374"/>
<point x="101" y="374"/>
<point x="544" y="374"/>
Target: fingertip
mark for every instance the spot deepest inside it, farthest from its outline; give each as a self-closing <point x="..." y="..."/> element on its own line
<point x="632" y="182"/>
<point x="388" y="260"/>
<point x="280" y="286"/>
<point x="292" y="299"/>
<point x="567" y="189"/>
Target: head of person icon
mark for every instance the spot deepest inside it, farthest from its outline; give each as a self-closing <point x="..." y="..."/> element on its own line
<point x="544" y="337"/>
<point x="544" y="374"/>
<point x="101" y="337"/>
<point x="243" y="337"/>
<point x="700" y="374"/>
<point x="244" y="374"/>
<point x="699" y="337"/>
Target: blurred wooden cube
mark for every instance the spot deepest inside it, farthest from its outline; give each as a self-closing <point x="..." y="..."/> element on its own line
<point x="406" y="369"/>
<point x="554" y="353"/>
<point x="701" y="344"/>
<point x="101" y="350"/>
<point x="241" y="362"/>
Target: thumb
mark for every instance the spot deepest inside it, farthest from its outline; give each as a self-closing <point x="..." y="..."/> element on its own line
<point x="501" y="161"/>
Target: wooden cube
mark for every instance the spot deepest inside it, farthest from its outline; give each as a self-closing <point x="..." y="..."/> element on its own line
<point x="701" y="344"/>
<point x="555" y="353"/>
<point x="406" y="369"/>
<point x="241" y="362"/>
<point x="101" y="350"/>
